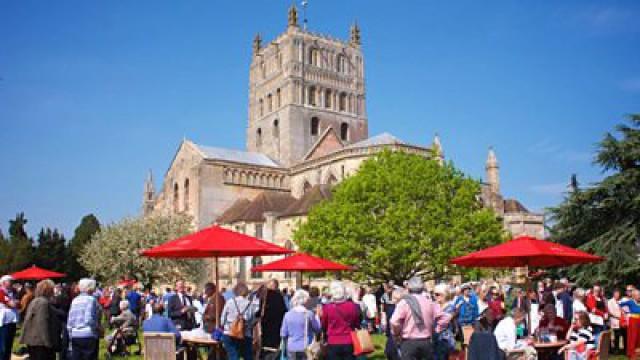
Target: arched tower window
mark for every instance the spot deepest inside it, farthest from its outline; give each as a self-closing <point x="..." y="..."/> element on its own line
<point x="175" y="197"/>
<point x="259" y="138"/>
<point x="341" y="64"/>
<point x="185" y="200"/>
<point x="315" y="125"/>
<point x="342" y="103"/>
<point x="314" y="57"/>
<point x="276" y="128"/>
<point x="344" y="131"/>
<point x="261" y="107"/>
<point x="256" y="261"/>
<point x="278" y="99"/>
<point x="327" y="98"/>
<point x="269" y="103"/>
<point x="312" y="96"/>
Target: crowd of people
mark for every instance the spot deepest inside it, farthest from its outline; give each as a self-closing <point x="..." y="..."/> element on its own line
<point x="419" y="321"/>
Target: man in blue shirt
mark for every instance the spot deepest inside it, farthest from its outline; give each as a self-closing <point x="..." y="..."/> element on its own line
<point x="467" y="306"/>
<point x="135" y="300"/>
<point x="159" y="323"/>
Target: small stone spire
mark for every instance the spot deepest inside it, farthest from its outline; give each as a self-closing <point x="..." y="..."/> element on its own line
<point x="149" y="194"/>
<point x="437" y="149"/>
<point x="355" y="34"/>
<point x="257" y="44"/>
<point x="293" y="16"/>
<point x="492" y="169"/>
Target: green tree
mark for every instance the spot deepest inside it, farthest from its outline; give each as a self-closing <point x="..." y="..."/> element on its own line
<point x="115" y="250"/>
<point x="400" y="215"/>
<point x="51" y="250"/>
<point x="604" y="218"/>
<point x="89" y="226"/>
<point x="4" y="255"/>
<point x="20" y="245"/>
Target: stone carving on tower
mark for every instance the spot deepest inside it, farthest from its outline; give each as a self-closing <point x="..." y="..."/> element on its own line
<point x="437" y="150"/>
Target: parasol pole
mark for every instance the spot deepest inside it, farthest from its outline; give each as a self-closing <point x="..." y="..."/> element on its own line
<point x="216" y="296"/>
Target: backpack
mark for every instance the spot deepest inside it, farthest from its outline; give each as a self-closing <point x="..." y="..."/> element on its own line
<point x="237" y="327"/>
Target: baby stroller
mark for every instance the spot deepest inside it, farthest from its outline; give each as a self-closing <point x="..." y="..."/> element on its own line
<point x="119" y="343"/>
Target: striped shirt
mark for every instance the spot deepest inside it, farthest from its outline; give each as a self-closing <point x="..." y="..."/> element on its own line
<point x="83" y="317"/>
<point x="583" y="335"/>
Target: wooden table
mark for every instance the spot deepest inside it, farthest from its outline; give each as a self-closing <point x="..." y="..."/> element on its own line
<point x="194" y="343"/>
<point x="547" y="349"/>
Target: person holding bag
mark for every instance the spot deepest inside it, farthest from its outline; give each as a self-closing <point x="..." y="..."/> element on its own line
<point x="299" y="327"/>
<point x="339" y="318"/>
<point x="414" y="321"/>
<point x="238" y="320"/>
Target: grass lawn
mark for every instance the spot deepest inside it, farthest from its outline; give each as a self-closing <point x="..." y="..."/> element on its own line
<point x="379" y="342"/>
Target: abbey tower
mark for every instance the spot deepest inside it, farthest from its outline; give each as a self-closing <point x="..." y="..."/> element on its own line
<point x="300" y="84"/>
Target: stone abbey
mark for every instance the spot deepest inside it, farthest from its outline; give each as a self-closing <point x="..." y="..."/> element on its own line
<point x="307" y="130"/>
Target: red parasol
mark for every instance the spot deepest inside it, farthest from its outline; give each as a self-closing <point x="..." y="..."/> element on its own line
<point x="36" y="273"/>
<point x="526" y="251"/>
<point x="303" y="263"/>
<point x="215" y="242"/>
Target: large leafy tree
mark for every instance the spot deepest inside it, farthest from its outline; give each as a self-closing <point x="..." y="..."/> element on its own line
<point x="4" y="254"/>
<point x="89" y="226"/>
<point x="400" y="215"/>
<point x="50" y="252"/>
<point x="20" y="245"/>
<point x="114" y="251"/>
<point x="605" y="218"/>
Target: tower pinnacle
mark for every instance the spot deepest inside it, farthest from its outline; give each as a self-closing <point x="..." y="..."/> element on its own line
<point x="355" y="34"/>
<point x="257" y="44"/>
<point x="437" y="149"/>
<point x="492" y="169"/>
<point x="148" y="196"/>
<point x="293" y="16"/>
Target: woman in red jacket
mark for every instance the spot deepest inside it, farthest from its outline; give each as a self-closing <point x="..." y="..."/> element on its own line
<point x="597" y="306"/>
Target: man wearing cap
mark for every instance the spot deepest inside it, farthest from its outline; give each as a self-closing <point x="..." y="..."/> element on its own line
<point x="413" y="322"/>
<point x="8" y="317"/>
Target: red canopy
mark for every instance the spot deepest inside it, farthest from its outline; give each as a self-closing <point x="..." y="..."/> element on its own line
<point x="36" y="273"/>
<point x="214" y="242"/>
<point x="301" y="262"/>
<point x="526" y="251"/>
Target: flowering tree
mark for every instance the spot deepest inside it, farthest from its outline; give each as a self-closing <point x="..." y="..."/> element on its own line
<point x="115" y="251"/>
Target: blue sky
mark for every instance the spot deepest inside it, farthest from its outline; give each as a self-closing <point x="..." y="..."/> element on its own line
<point x="95" y="93"/>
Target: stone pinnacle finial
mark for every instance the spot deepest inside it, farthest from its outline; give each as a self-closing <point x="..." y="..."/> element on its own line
<point x="257" y="44"/>
<point x="437" y="148"/>
<point x="355" y="34"/>
<point x="492" y="161"/>
<point x="293" y="16"/>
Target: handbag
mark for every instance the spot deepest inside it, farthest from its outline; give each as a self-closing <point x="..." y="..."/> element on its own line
<point x="362" y="343"/>
<point x="314" y="349"/>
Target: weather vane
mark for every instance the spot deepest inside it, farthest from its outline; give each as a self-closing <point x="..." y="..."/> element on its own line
<point x="304" y="4"/>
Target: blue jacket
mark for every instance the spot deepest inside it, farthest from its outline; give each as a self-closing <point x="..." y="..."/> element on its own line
<point x="161" y="324"/>
<point x="468" y="313"/>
